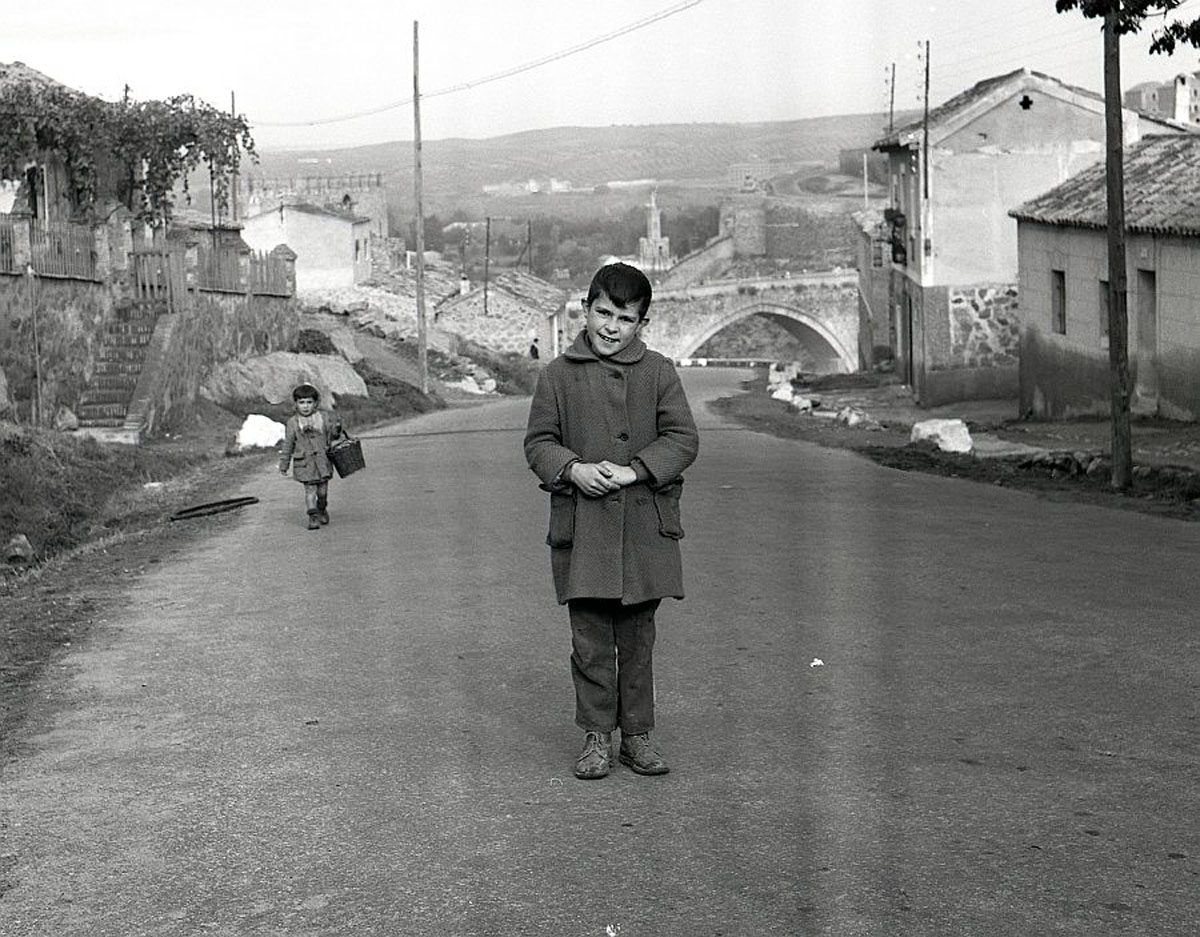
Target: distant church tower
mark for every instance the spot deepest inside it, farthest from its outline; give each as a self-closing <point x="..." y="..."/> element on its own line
<point x="654" y="250"/>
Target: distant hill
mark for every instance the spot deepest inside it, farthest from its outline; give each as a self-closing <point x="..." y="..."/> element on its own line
<point x="683" y="154"/>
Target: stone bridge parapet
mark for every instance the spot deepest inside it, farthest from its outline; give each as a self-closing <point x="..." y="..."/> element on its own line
<point x="822" y="308"/>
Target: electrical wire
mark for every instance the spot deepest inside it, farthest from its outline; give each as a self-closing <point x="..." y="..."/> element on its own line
<point x="496" y="76"/>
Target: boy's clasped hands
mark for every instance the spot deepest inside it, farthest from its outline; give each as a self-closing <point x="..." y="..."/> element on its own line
<point x="596" y="479"/>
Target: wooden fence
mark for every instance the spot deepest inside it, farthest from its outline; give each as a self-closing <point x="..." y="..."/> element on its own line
<point x="269" y="275"/>
<point x="158" y="277"/>
<point x="8" y="260"/>
<point x="62" y="249"/>
<point x="219" y="269"/>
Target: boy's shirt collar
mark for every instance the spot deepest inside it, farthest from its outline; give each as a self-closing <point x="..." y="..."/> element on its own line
<point x="581" y="350"/>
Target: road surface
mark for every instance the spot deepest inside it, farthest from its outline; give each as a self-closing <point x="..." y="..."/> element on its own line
<point x="894" y="704"/>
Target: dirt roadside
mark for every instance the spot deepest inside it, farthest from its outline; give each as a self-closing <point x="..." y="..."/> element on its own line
<point x="1048" y="459"/>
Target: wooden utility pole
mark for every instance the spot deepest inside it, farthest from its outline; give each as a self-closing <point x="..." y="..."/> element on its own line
<point x="925" y="135"/>
<point x="487" y="256"/>
<point x="892" y="101"/>
<point x="1118" y="322"/>
<point x="422" y="354"/>
<point x="233" y="187"/>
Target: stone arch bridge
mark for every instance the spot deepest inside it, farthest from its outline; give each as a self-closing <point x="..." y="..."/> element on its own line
<point x="819" y="309"/>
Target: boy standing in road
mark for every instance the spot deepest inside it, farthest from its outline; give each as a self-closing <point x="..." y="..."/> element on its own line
<point x="610" y="433"/>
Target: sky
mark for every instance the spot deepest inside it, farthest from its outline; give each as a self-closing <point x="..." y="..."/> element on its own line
<point x="317" y="73"/>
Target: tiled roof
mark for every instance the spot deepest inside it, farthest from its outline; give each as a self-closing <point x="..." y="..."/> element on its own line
<point x="977" y="94"/>
<point x="530" y="291"/>
<point x="1162" y="191"/>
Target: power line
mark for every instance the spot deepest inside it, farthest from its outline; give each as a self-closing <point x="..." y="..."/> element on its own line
<point x="496" y="76"/>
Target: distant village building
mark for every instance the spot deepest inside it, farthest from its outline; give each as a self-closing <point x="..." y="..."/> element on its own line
<point x="362" y="194"/>
<point x="1177" y="99"/>
<point x="654" y="250"/>
<point x="332" y="247"/>
<point x="505" y="314"/>
<point x="749" y="176"/>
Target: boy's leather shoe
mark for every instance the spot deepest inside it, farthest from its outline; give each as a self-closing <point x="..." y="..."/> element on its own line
<point x="596" y="758"/>
<point x="314" y="521"/>
<point x="324" y="517"/>
<point x="639" y="754"/>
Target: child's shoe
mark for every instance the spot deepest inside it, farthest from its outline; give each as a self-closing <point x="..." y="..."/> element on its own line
<point x="324" y="517"/>
<point x="314" y="520"/>
<point x="639" y="754"/>
<point x="596" y="758"/>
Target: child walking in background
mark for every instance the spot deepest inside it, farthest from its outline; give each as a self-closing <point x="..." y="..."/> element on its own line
<point x="610" y="434"/>
<point x="308" y="435"/>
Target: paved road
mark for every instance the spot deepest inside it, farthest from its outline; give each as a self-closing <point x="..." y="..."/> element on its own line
<point x="367" y="730"/>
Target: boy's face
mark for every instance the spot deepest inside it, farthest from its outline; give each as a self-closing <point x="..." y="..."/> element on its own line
<point x="306" y="406"/>
<point x="610" y="328"/>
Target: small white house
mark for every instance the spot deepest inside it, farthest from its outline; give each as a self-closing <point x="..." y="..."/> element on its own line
<point x="1062" y="241"/>
<point x="332" y="247"/>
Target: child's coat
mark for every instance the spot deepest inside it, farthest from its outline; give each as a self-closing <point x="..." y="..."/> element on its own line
<point x="308" y="451"/>
<point x="624" y="545"/>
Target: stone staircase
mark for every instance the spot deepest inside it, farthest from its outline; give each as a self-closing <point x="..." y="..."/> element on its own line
<point x="104" y="405"/>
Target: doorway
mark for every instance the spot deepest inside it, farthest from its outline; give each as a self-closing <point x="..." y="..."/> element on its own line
<point x="1146" y="387"/>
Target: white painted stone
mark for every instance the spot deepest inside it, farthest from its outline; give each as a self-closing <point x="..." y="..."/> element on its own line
<point x="947" y="435"/>
<point x="260" y="432"/>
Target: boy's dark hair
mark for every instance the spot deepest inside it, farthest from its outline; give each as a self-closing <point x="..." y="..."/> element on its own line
<point x="306" y="390"/>
<point x="624" y="285"/>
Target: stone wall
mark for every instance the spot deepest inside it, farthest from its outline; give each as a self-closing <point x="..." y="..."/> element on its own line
<point x="69" y="316"/>
<point x="216" y="327"/>
<point x="984" y="328"/>
<point x="818" y="242"/>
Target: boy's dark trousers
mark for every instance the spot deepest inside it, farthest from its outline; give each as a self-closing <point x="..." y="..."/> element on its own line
<point x="612" y="664"/>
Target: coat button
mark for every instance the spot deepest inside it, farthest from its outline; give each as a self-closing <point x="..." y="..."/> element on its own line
<point x="623" y="437"/>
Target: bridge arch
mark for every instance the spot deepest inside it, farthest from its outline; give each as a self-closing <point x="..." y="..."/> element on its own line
<point x="848" y="361"/>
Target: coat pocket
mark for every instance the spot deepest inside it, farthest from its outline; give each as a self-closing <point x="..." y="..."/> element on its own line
<point x="666" y="504"/>
<point x="562" y="520"/>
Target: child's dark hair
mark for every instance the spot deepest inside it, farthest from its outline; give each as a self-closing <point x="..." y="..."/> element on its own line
<point x="623" y="284"/>
<point x="306" y="390"/>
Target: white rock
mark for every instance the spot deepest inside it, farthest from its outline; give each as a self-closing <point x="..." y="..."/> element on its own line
<point x="947" y="435"/>
<point x="803" y="404"/>
<point x="259" y="432"/>
<point x="784" y="392"/>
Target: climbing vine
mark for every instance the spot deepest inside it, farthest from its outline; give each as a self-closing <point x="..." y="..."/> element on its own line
<point x="149" y="148"/>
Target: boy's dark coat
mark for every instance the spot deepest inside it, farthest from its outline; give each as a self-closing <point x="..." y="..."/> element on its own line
<point x="307" y="451"/>
<point x="624" y="545"/>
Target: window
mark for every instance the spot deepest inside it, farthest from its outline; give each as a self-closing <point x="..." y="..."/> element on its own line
<point x="1058" y="301"/>
<point x="1103" y="306"/>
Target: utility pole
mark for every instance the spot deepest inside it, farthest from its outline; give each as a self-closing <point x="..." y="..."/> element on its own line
<point x="1118" y="322"/>
<point x="529" y="241"/>
<point x="892" y="101"/>
<point x="487" y="255"/>
<point x="422" y="354"/>
<point x="925" y="135"/>
<point x="233" y="188"/>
